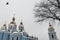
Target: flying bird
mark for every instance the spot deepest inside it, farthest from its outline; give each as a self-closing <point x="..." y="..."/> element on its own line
<point x="7" y="3"/>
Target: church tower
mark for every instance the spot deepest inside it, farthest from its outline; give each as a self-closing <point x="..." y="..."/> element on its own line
<point x="4" y="27"/>
<point x="21" y="27"/>
<point x="52" y="33"/>
<point x="12" y="26"/>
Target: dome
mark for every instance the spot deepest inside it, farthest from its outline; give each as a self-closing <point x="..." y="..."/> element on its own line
<point x="4" y="25"/>
<point x="13" y="21"/>
<point x="50" y="26"/>
<point x="21" y="23"/>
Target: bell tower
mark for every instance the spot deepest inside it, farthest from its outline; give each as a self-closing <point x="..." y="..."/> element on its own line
<point x="4" y="27"/>
<point x="52" y="33"/>
<point x="21" y="27"/>
<point x="12" y="26"/>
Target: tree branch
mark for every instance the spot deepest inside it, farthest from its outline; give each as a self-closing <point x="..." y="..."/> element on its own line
<point x="53" y="3"/>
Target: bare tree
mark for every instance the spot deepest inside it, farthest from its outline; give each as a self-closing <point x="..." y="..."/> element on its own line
<point x="46" y="10"/>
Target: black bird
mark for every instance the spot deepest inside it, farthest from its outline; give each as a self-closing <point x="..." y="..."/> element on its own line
<point x="7" y="3"/>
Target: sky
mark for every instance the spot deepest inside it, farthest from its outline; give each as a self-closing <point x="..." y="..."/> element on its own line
<point x="23" y="9"/>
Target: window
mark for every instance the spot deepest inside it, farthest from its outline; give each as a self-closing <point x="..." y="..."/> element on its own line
<point x="52" y="36"/>
<point x="17" y="38"/>
<point x="8" y="36"/>
<point x="12" y="38"/>
<point x="8" y="30"/>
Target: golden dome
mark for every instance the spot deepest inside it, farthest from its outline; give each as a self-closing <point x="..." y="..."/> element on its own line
<point x="21" y="23"/>
<point x="50" y="26"/>
<point x="13" y="20"/>
<point x="4" y="25"/>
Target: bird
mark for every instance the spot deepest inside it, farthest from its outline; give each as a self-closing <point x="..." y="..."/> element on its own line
<point x="7" y="3"/>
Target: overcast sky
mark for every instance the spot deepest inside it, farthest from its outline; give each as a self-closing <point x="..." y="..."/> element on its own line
<point x="23" y="9"/>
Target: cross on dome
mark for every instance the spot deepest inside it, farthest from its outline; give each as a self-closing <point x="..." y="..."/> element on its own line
<point x="13" y="19"/>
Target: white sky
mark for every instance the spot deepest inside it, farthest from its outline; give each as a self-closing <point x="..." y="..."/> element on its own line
<point x="24" y="10"/>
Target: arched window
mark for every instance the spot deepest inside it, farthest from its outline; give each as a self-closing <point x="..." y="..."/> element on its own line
<point x="9" y="36"/>
<point x="10" y="27"/>
<point x="52" y="36"/>
<point x="8" y="30"/>
<point x="12" y="38"/>
<point x="17" y="38"/>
